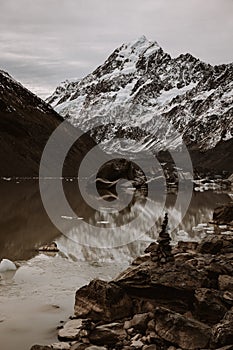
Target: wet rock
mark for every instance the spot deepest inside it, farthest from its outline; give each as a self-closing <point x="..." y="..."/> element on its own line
<point x="225" y="283"/>
<point x="70" y="330"/>
<point x="209" y="305"/>
<point x="107" y="334"/>
<point x="224" y="214"/>
<point x="103" y="301"/>
<point x="186" y="333"/>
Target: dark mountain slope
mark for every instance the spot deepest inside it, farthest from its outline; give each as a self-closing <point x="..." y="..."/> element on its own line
<point x="26" y="123"/>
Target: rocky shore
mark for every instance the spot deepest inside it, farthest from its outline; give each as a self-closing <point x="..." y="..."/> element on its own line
<point x="178" y="297"/>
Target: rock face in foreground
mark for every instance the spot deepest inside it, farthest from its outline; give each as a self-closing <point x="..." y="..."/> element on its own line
<point x="185" y="302"/>
<point x="106" y="301"/>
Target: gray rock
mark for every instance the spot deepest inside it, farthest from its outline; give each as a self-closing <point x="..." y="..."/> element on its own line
<point x="103" y="301"/>
<point x="139" y="322"/>
<point x="179" y="330"/>
<point x="70" y="330"/>
<point x="138" y="344"/>
<point x="209" y="305"/>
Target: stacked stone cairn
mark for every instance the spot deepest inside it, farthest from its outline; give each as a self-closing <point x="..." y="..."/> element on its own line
<point x="162" y="252"/>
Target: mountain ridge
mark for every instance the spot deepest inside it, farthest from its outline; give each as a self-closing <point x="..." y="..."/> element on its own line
<point x="26" y="123"/>
<point x="141" y="85"/>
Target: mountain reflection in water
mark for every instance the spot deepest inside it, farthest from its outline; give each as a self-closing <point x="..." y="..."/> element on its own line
<point x="25" y="225"/>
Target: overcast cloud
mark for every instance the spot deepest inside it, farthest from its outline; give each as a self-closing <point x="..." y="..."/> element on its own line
<point x="43" y="42"/>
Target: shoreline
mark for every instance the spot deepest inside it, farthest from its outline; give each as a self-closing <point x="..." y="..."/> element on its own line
<point x="176" y="298"/>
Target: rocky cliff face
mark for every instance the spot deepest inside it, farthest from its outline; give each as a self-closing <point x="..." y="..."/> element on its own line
<point x="141" y="86"/>
<point x="26" y="123"/>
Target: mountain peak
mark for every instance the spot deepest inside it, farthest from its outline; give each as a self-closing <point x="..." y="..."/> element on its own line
<point x="141" y="46"/>
<point x="142" y="42"/>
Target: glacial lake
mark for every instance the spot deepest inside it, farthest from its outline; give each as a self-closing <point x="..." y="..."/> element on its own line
<point x="40" y="294"/>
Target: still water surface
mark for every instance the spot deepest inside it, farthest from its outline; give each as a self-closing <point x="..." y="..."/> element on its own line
<point x="35" y="298"/>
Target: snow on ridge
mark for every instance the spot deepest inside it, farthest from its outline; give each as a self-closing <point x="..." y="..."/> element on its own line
<point x="138" y="47"/>
<point x="167" y="96"/>
<point x="134" y="86"/>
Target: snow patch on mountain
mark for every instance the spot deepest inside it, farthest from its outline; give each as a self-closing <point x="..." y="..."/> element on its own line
<point x="141" y="86"/>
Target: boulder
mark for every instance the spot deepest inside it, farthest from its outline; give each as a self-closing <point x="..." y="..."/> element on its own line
<point x="211" y="244"/>
<point x="209" y="305"/>
<point x="135" y="276"/>
<point x="103" y="301"/>
<point x="225" y="282"/>
<point x="70" y="330"/>
<point x="179" y="276"/>
<point x="216" y="244"/>
<point x="107" y="334"/>
<point x="186" y="333"/>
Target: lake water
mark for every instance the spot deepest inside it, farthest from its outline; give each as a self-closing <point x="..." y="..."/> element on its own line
<point x="40" y="294"/>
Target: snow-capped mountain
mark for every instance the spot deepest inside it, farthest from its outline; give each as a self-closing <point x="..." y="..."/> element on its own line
<point x="141" y="86"/>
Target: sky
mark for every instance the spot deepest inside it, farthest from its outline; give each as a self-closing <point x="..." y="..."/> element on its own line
<point x="44" y="42"/>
